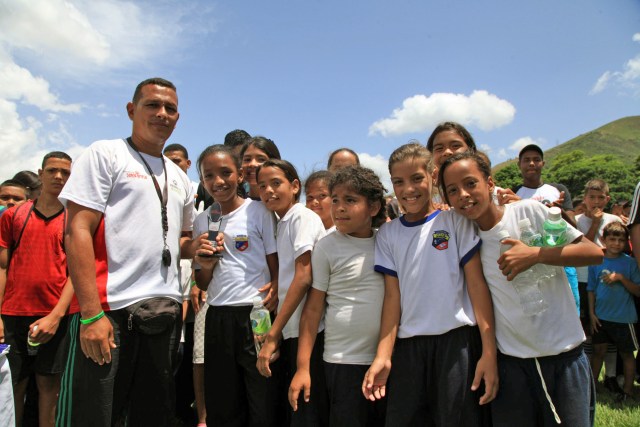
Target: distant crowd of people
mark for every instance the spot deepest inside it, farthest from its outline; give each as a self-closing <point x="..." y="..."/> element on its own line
<point x="126" y="289"/>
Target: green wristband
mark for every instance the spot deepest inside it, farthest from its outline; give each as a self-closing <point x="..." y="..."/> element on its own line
<point x="193" y="283"/>
<point x="92" y="319"/>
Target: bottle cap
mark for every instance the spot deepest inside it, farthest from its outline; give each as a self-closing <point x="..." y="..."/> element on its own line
<point x="257" y="301"/>
<point x="503" y="234"/>
<point x="555" y="214"/>
<point x="524" y="223"/>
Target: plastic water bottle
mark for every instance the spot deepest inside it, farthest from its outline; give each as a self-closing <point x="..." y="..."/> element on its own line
<point x="260" y="322"/>
<point x="555" y="228"/>
<point x="525" y="284"/>
<point x="531" y="237"/>
<point x="32" y="346"/>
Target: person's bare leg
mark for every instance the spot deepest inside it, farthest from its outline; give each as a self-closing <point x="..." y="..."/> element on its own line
<point x="599" y="350"/>
<point x="19" y="391"/>
<point x="198" y="390"/>
<point x="48" y="389"/>
<point x="629" y="370"/>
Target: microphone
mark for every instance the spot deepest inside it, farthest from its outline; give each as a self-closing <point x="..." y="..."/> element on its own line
<point x="215" y="219"/>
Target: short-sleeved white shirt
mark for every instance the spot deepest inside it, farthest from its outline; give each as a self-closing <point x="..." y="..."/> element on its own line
<point x="428" y="257"/>
<point x="109" y="177"/>
<point x="343" y="269"/>
<point x="546" y="193"/>
<point x="583" y="224"/>
<point x="551" y="332"/>
<point x="297" y="232"/>
<point x="249" y="236"/>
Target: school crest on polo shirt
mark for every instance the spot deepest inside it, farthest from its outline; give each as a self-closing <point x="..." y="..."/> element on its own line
<point x="241" y="242"/>
<point x="440" y="240"/>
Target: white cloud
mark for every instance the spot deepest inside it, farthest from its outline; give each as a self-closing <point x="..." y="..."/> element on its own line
<point x="502" y="154"/>
<point x="89" y="38"/>
<point x="627" y="79"/>
<point x="486" y="148"/>
<point x="380" y="166"/>
<point x="524" y="141"/>
<point x="24" y="143"/>
<point x="46" y="44"/>
<point x="26" y="139"/>
<point x="18" y="84"/>
<point x="54" y="27"/>
<point x="421" y="113"/>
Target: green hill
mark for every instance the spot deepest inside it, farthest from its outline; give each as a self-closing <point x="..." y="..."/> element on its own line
<point x="620" y="138"/>
<point x="607" y="153"/>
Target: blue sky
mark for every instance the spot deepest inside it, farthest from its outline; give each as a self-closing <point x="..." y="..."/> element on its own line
<point x="317" y="75"/>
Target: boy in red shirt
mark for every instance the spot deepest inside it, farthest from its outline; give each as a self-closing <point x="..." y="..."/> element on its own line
<point x="38" y="289"/>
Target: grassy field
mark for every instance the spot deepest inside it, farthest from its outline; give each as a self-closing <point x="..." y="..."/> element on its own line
<point x="612" y="414"/>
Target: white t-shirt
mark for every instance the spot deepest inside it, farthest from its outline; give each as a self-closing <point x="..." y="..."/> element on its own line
<point x="428" y="257"/>
<point x="583" y="224"/>
<point x="298" y="232"/>
<point x="109" y="177"/>
<point x="343" y="268"/>
<point x="544" y="194"/>
<point x="554" y="331"/>
<point x="249" y="236"/>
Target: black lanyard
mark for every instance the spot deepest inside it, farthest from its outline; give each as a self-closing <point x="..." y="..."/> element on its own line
<point x="163" y="197"/>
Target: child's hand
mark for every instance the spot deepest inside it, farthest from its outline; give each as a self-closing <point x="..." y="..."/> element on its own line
<point x="595" y="214"/>
<point x="611" y="278"/>
<point x="487" y="369"/>
<point x="270" y="302"/>
<point x="558" y="202"/>
<point x="205" y="247"/>
<point x="595" y="323"/>
<point x="197" y="297"/>
<point x="43" y="329"/>
<point x="506" y="195"/>
<point x="266" y="355"/>
<point x="517" y="259"/>
<point x="375" y="380"/>
<point x="301" y="382"/>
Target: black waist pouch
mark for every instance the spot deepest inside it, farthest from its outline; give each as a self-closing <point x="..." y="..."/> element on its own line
<point x="154" y="315"/>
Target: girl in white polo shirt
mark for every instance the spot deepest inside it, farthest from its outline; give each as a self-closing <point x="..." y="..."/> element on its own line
<point x="545" y="377"/>
<point x="235" y="393"/>
<point x="438" y="306"/>
<point x="299" y="229"/>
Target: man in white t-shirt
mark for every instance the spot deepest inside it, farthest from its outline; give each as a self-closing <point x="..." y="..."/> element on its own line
<point x="531" y="162"/>
<point x="130" y="214"/>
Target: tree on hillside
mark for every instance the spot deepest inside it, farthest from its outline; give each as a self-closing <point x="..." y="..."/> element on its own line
<point x="574" y="170"/>
<point x="508" y="177"/>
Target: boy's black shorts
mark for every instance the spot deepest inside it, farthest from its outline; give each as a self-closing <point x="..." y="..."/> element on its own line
<point x="623" y="335"/>
<point x="51" y="356"/>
